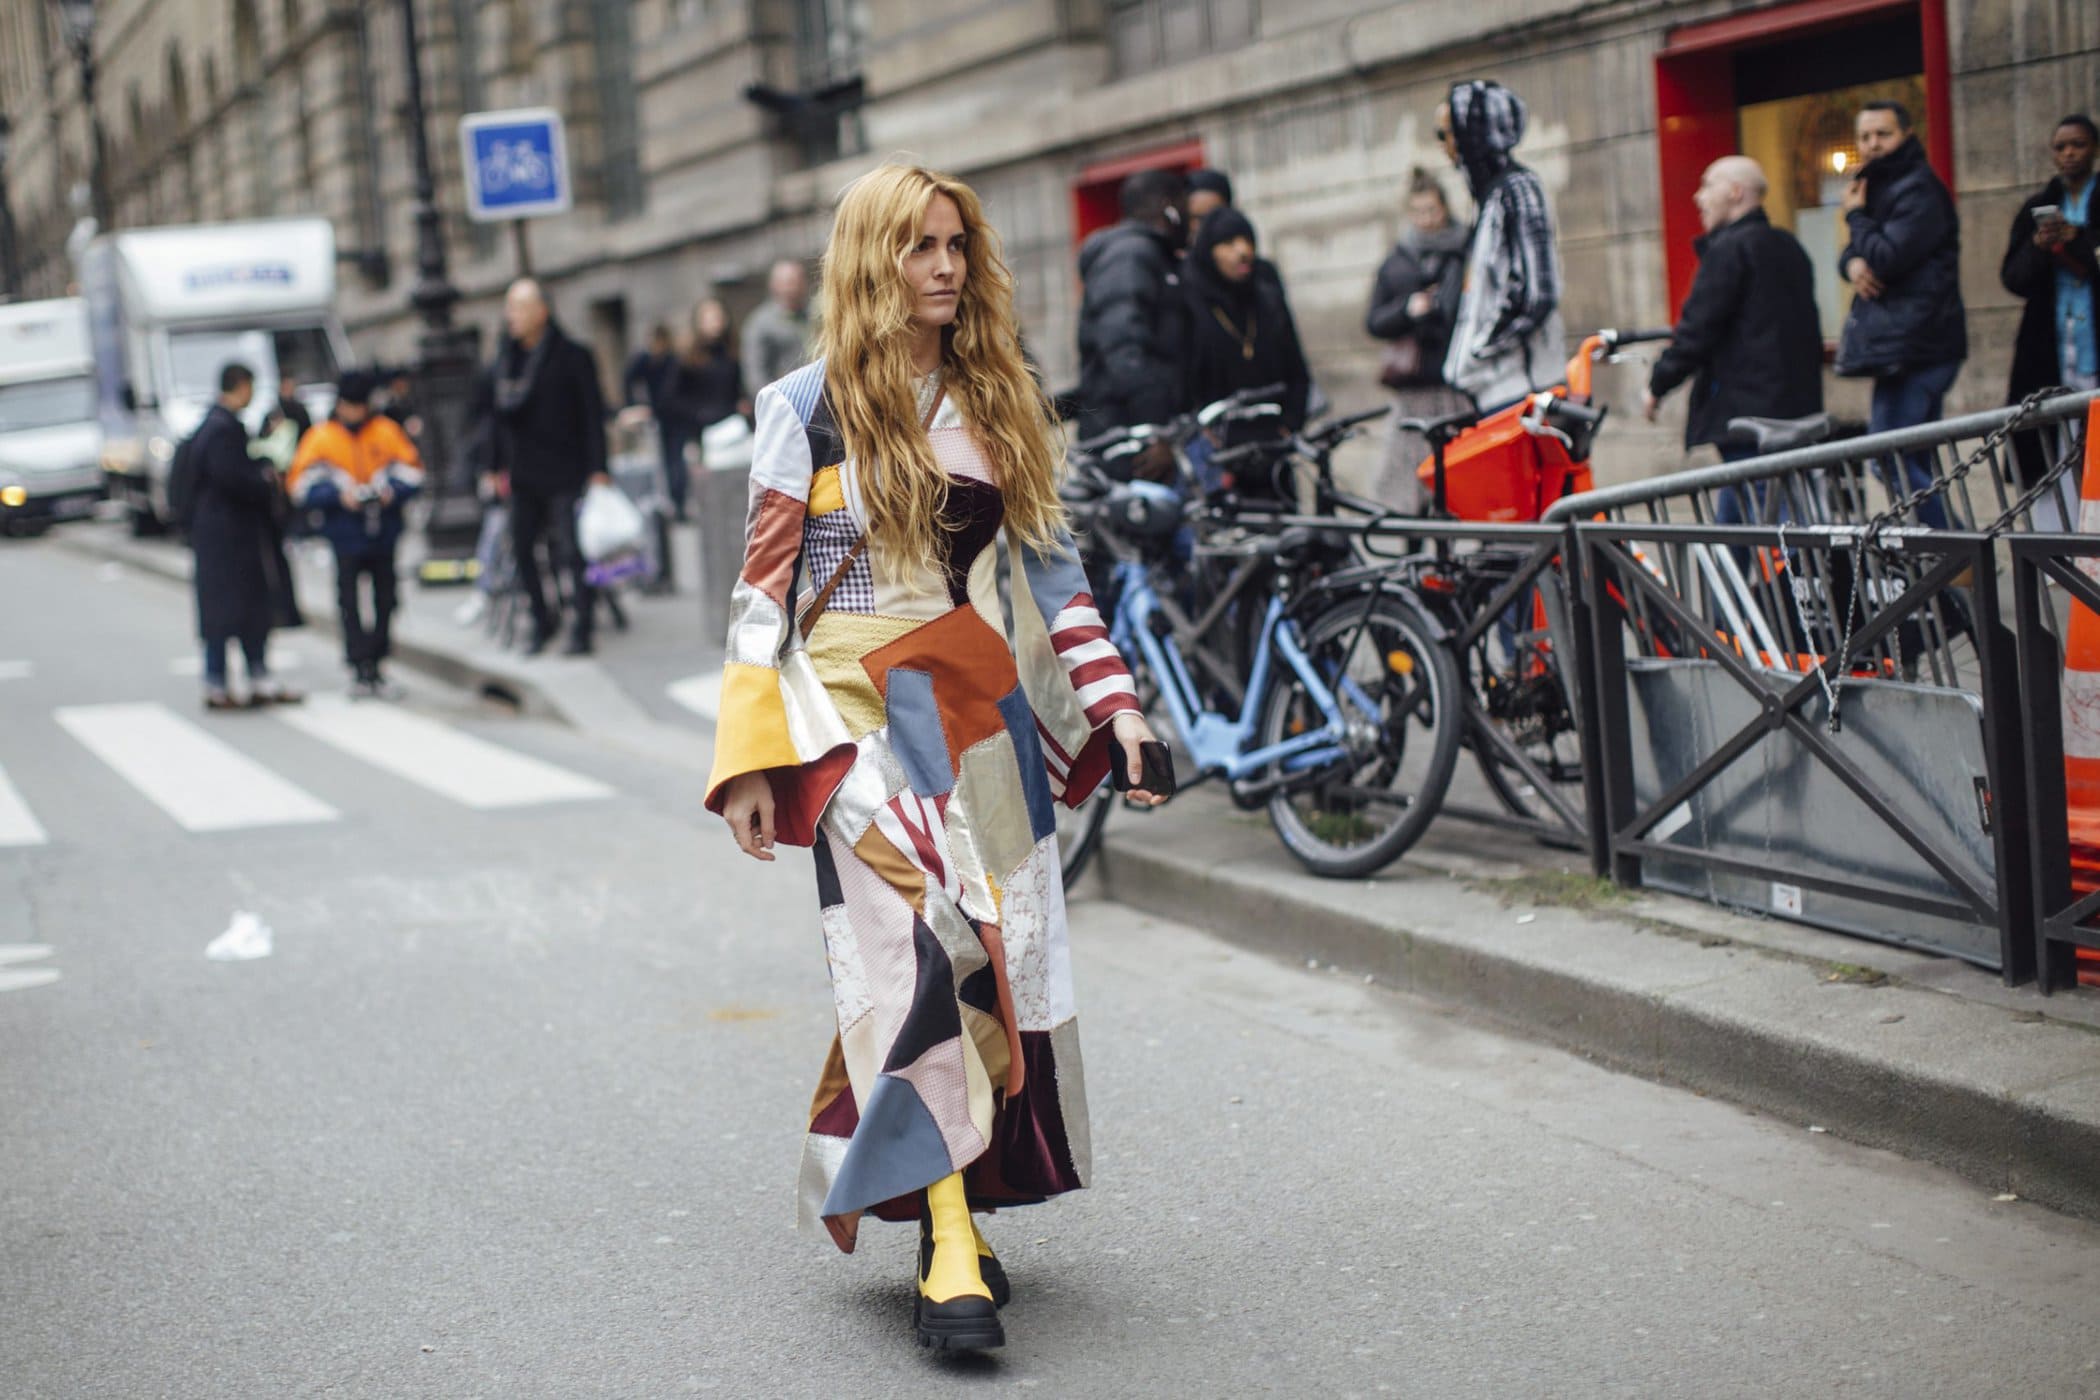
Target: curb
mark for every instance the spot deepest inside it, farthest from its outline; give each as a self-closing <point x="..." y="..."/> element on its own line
<point x="2008" y="1098"/>
<point x="507" y="685"/>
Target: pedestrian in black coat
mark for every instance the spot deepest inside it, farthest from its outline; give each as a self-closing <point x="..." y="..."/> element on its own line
<point x="703" y="385"/>
<point x="2052" y="268"/>
<point x="1749" y="336"/>
<point x="240" y="579"/>
<point x="1907" y="329"/>
<point x="1241" y="332"/>
<point x="550" y="440"/>
<point x="1131" y="317"/>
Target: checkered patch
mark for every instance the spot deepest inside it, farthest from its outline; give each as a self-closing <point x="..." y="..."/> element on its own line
<point x="827" y="539"/>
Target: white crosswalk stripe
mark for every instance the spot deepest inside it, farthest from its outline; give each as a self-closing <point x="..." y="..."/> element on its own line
<point x="18" y="825"/>
<point x="436" y="756"/>
<point x="202" y="782"/>
<point x="702" y="694"/>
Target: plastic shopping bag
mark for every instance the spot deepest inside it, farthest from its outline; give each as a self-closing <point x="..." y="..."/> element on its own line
<point x="607" y="523"/>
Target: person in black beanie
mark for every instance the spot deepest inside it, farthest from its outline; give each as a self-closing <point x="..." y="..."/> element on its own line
<point x="1209" y="191"/>
<point x="1241" y="332"/>
<point x="550" y="440"/>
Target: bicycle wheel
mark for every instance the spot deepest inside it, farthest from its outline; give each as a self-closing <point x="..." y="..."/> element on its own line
<point x="1079" y="832"/>
<point x="1516" y="677"/>
<point x="1398" y="690"/>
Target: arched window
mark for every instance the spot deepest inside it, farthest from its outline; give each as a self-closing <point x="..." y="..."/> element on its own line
<point x="249" y="119"/>
<point x="137" y="157"/>
<point x="215" y="200"/>
<point x="619" y="125"/>
<point x="185" y="194"/>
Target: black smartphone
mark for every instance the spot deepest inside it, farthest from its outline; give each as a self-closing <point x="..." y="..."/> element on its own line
<point x="1158" y="763"/>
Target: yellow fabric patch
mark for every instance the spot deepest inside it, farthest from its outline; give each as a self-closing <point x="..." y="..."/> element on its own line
<point x="752" y="733"/>
<point x="826" y="492"/>
<point x="836" y="645"/>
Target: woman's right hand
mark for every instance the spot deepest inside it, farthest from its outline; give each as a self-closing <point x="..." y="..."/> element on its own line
<point x="747" y="805"/>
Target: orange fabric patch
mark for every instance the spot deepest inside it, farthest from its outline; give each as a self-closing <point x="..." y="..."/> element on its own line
<point x="972" y="672"/>
<point x="774" y="544"/>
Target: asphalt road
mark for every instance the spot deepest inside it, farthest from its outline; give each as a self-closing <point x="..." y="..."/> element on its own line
<point x="513" y="1109"/>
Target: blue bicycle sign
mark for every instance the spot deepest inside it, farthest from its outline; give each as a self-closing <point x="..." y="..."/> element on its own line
<point x="515" y="162"/>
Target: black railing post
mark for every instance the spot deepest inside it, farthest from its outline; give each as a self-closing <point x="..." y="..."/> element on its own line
<point x="1612" y="796"/>
<point x="1580" y="680"/>
<point x="2008" y="766"/>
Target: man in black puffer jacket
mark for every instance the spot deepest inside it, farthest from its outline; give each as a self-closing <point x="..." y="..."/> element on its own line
<point x="1748" y="329"/>
<point x="1132" y="339"/>
<point x="1907" y="329"/>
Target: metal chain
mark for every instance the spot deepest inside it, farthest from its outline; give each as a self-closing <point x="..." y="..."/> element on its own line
<point x="1834" y="673"/>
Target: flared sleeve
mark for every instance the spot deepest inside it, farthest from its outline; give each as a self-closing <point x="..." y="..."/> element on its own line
<point x="1075" y="678"/>
<point x="775" y="717"/>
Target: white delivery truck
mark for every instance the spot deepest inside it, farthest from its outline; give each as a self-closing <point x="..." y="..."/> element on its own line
<point x="50" y="437"/>
<point x="170" y="307"/>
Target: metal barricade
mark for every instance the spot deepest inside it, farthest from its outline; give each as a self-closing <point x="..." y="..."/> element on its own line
<point x="1818" y="713"/>
<point x="1845" y="788"/>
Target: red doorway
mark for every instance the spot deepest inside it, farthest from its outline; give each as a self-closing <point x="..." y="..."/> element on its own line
<point x="1708" y="74"/>
<point x="1094" y="193"/>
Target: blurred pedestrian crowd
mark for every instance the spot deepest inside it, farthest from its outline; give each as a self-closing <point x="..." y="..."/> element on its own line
<point x="1179" y="308"/>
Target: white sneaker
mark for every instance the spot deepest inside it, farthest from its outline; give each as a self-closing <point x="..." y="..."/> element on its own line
<point x="470" y="612"/>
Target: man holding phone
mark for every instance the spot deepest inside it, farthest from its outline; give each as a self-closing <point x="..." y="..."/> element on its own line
<point x="2049" y="264"/>
<point x="1907" y="329"/>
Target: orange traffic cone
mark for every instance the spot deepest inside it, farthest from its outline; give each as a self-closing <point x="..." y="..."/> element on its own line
<point x="2081" y="705"/>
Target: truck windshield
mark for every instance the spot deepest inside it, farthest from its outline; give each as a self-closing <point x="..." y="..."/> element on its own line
<point x="304" y="355"/>
<point x="196" y="357"/>
<point x="46" y="403"/>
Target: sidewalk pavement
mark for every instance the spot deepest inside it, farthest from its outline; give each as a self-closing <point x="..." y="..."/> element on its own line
<point x="1926" y="1056"/>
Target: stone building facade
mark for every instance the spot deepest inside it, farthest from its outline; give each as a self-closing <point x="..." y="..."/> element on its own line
<point x="216" y="109"/>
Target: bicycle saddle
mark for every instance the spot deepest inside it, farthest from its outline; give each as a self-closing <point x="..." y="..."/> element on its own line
<point x="1779" y="434"/>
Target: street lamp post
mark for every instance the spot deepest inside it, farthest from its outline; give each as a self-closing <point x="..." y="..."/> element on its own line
<point x="78" y="18"/>
<point x="10" y="267"/>
<point x="448" y="358"/>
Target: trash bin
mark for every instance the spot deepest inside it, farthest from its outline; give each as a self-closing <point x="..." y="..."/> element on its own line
<point x="720" y="492"/>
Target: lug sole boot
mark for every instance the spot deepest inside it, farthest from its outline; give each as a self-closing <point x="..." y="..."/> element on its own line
<point x="954" y="1310"/>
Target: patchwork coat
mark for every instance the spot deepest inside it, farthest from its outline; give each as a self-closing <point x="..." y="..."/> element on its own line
<point x="918" y="738"/>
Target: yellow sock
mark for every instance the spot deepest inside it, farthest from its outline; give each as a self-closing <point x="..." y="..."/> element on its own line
<point x="953" y="1272"/>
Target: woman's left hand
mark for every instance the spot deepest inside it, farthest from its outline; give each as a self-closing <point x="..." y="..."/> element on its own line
<point x="1131" y="731"/>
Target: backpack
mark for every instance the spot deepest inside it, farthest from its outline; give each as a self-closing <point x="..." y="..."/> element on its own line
<point x="182" y="482"/>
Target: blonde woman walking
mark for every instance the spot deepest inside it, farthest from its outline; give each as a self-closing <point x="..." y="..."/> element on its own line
<point x="880" y="705"/>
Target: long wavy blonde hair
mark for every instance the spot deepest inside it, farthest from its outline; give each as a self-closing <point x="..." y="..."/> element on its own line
<point x="867" y="341"/>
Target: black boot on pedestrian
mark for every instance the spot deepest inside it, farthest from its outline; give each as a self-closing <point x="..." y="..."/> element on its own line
<point x="579" y="645"/>
<point x="541" y="636"/>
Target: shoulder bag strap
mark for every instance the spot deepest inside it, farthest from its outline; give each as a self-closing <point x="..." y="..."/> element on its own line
<point x="860" y="546"/>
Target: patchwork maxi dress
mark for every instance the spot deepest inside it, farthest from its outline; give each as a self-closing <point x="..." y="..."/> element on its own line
<point x="918" y="738"/>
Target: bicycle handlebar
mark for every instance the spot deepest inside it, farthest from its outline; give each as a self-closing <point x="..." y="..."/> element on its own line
<point x="1616" y="337"/>
<point x="1445" y="426"/>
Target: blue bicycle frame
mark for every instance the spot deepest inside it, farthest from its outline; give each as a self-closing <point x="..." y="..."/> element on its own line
<point x="1219" y="742"/>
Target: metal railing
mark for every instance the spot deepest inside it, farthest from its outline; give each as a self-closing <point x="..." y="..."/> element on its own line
<point x="1849" y="481"/>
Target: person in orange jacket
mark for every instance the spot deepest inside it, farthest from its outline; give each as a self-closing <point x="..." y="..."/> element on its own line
<point x="358" y="469"/>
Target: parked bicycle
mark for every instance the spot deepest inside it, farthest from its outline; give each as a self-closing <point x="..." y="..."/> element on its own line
<point x="1308" y="689"/>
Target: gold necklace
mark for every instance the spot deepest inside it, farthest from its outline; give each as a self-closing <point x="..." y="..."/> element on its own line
<point x="1246" y="340"/>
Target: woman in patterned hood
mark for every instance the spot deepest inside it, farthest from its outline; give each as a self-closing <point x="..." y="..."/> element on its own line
<point x="879" y="705"/>
<point x="1507" y="340"/>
